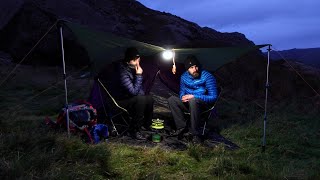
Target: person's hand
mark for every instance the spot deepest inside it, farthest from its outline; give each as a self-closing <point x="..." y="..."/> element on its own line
<point x="187" y="97"/>
<point x="174" y="69"/>
<point x="83" y="127"/>
<point x="139" y="70"/>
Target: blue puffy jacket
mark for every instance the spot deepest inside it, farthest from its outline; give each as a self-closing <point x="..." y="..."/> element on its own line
<point x="203" y="88"/>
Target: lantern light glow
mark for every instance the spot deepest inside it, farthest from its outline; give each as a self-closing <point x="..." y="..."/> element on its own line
<point x="167" y="54"/>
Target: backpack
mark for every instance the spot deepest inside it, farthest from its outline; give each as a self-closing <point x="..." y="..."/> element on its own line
<point x="82" y="118"/>
<point x="81" y="113"/>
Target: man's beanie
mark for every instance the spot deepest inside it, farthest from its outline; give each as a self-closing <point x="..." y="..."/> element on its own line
<point x="191" y="60"/>
<point x="131" y="53"/>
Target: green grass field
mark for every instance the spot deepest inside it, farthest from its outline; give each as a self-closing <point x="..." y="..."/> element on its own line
<point x="30" y="150"/>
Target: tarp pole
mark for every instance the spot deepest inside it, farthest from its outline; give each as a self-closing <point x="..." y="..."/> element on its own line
<point x="265" y="103"/>
<point x="65" y="78"/>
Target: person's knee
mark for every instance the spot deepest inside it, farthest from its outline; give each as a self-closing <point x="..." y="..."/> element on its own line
<point x="141" y="98"/>
<point x="171" y="101"/>
<point x="145" y="99"/>
<point x="149" y="99"/>
<point x="192" y="101"/>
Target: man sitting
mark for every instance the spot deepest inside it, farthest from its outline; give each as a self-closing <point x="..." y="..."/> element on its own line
<point x="129" y="93"/>
<point x="197" y="93"/>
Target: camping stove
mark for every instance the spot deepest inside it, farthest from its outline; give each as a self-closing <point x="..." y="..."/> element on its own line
<point x="157" y="126"/>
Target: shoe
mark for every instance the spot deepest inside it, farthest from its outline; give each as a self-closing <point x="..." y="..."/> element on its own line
<point x="138" y="136"/>
<point x="177" y="132"/>
<point x="146" y="128"/>
<point x="196" y="140"/>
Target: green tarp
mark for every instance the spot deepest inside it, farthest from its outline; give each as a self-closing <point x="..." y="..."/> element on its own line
<point x="103" y="48"/>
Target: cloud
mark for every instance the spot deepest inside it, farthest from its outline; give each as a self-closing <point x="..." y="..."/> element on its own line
<point x="283" y="33"/>
<point x="289" y="23"/>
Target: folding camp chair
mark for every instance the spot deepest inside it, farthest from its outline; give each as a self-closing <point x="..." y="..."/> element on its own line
<point x="115" y="111"/>
<point x="207" y="114"/>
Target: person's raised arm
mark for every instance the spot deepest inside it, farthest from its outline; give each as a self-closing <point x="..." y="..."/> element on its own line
<point x="139" y="70"/>
<point x="133" y="86"/>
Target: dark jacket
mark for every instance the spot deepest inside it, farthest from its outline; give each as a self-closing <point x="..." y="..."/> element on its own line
<point x="127" y="83"/>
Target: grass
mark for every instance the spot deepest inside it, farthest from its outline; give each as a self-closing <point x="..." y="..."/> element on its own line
<point x="293" y="151"/>
<point x="29" y="150"/>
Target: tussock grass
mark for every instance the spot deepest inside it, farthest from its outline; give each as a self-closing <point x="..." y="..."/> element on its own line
<point x="30" y="151"/>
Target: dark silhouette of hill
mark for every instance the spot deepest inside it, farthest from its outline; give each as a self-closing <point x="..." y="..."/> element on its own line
<point x="23" y="22"/>
<point x="309" y="56"/>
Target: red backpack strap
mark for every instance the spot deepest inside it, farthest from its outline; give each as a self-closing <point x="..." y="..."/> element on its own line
<point x="89" y="135"/>
<point x="60" y="118"/>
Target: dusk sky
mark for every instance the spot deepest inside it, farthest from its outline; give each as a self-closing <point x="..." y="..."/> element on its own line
<point x="285" y="24"/>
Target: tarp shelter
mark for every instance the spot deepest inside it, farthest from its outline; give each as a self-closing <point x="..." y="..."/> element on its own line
<point x="104" y="48"/>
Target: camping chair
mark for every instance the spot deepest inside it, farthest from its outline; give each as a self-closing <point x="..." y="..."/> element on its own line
<point x="207" y="114"/>
<point x="115" y="110"/>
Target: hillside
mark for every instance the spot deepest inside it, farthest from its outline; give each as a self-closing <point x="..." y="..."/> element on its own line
<point x="26" y="21"/>
<point x="309" y="56"/>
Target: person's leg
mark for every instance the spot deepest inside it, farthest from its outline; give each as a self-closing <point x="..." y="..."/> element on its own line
<point x="139" y="111"/>
<point x="130" y="105"/>
<point x="135" y="107"/>
<point x="148" y="111"/>
<point x="177" y="109"/>
<point x="195" y="108"/>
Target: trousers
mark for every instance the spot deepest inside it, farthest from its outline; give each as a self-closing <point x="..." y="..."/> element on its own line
<point x="194" y="106"/>
<point x="140" y="108"/>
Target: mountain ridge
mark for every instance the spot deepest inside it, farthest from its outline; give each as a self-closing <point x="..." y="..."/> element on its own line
<point x="308" y="56"/>
<point x="127" y="18"/>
